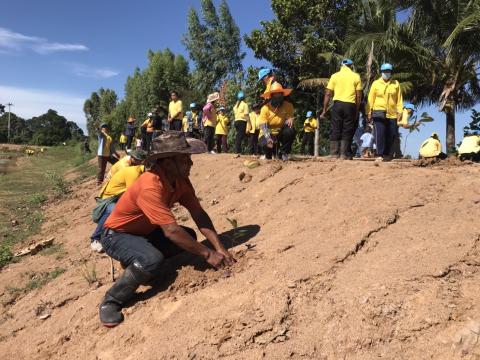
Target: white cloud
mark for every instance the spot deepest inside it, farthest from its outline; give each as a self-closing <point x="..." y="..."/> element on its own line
<point x="91" y="72"/>
<point x="11" y="41"/>
<point x="34" y="102"/>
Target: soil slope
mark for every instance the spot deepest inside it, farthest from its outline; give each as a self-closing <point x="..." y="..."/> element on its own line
<point x="336" y="260"/>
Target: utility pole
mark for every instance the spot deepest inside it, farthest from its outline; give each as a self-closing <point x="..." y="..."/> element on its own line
<point x="8" y="134"/>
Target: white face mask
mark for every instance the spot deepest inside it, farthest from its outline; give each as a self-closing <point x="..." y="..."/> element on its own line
<point x="386" y="76"/>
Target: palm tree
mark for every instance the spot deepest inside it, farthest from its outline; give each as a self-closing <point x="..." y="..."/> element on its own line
<point x="448" y="30"/>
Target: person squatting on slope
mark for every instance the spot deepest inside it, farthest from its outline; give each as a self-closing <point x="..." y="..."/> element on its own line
<point x="135" y="157"/>
<point x="142" y="231"/>
<point x="309" y="127"/>
<point x="276" y="124"/>
<point x="346" y="88"/>
<point x="470" y="148"/>
<point x="109" y="196"/>
<point x="385" y="109"/>
<point x="432" y="148"/>
<point x="106" y="152"/>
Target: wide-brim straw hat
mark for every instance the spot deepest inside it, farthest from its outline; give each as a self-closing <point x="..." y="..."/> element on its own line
<point x="277" y="88"/>
<point x="131" y="119"/>
<point x="213" y="97"/>
<point x="174" y="143"/>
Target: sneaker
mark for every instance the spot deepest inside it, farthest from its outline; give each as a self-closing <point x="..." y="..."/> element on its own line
<point x="263" y="157"/>
<point x="212" y="152"/>
<point x="284" y="157"/>
<point x="96" y="246"/>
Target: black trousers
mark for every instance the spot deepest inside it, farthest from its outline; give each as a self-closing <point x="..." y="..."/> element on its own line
<point x="282" y="143"/>
<point x="176" y="125"/>
<point x="344" y="121"/>
<point x="222" y="142"/>
<point x="241" y="127"/>
<point x="149" y="250"/>
<point x="254" y="142"/>
<point x="385" y="132"/>
<point x="308" y="140"/>
<point x="209" y="133"/>
<point x="129" y="141"/>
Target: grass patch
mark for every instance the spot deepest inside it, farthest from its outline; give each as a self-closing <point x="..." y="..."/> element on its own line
<point x="56" y="250"/>
<point x="89" y="273"/>
<point x="22" y="191"/>
<point x="36" y="281"/>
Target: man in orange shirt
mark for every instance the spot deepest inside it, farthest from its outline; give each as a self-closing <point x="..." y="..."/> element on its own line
<point x="141" y="231"/>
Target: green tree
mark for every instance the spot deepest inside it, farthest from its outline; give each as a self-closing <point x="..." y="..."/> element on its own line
<point x="214" y="46"/>
<point x="97" y="107"/>
<point x="19" y="133"/>
<point x="474" y="125"/>
<point x="52" y="129"/>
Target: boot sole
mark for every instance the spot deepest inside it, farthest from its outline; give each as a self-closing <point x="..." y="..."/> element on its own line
<point x="110" y="325"/>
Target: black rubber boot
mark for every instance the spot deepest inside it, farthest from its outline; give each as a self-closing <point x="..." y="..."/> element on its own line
<point x="124" y="288"/>
<point x="334" y="149"/>
<point x="345" y="150"/>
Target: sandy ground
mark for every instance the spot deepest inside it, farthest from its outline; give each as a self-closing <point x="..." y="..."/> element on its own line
<point x="336" y="260"/>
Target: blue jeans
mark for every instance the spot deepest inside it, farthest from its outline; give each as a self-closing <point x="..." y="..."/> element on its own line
<point x="149" y="251"/>
<point x="97" y="234"/>
<point x="385" y="132"/>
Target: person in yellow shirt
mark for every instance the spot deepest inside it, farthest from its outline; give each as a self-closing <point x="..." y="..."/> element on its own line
<point x="135" y="157"/>
<point x="209" y="120"/>
<point x="108" y="197"/>
<point x="309" y="127"/>
<point x="122" y="141"/>
<point x="147" y="132"/>
<point x="470" y="147"/>
<point x="345" y="87"/>
<point x="385" y="109"/>
<point x="106" y="152"/>
<point x="240" y="111"/>
<point x="408" y="110"/>
<point x="276" y="124"/>
<point x="221" y="130"/>
<point x="432" y="148"/>
<point x="175" y="112"/>
<point x="253" y="128"/>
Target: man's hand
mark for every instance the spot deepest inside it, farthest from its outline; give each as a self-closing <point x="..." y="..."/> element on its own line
<point x="289" y="122"/>
<point x="229" y="259"/>
<point x="218" y="260"/>
<point x="322" y="115"/>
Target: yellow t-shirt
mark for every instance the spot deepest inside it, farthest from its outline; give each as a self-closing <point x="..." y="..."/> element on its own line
<point x="104" y="144"/>
<point x="175" y="108"/>
<point x="430" y="148"/>
<point x="469" y="145"/>
<point x="253" y="123"/>
<point x="121" y="181"/>
<point x="386" y="96"/>
<point x="149" y="125"/>
<point x="241" y="111"/>
<point x="275" y="117"/>
<point x="310" y="125"/>
<point x="123" y="139"/>
<point x="405" y="117"/>
<point x="119" y="165"/>
<point x="344" y="84"/>
<point x="222" y="125"/>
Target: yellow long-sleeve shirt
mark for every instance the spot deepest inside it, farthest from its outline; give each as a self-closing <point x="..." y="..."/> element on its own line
<point x="386" y="96"/>
<point x="222" y="125"/>
<point x="310" y="125"/>
<point x="253" y="124"/>
<point x="121" y="181"/>
<point x="275" y="118"/>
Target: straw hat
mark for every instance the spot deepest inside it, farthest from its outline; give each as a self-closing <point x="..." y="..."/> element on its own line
<point x="213" y="97"/>
<point x="174" y="143"/>
<point x="277" y="88"/>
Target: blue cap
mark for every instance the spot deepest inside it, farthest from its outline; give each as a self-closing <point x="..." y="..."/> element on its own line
<point x="240" y="95"/>
<point x="386" y="67"/>
<point x="193" y="106"/>
<point x="409" y="106"/>
<point x="309" y="114"/>
<point x="263" y="72"/>
<point x="104" y="125"/>
<point x="347" y="62"/>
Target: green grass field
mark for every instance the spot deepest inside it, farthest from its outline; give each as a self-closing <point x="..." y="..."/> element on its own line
<point x="29" y="185"/>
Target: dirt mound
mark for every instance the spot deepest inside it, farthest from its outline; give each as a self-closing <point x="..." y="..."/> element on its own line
<point x="336" y="260"/>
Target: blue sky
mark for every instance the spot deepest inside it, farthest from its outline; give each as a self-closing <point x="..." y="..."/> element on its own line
<point x="54" y="53"/>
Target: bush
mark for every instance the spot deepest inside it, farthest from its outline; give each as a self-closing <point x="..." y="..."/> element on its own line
<point x="60" y="186"/>
<point x="37" y="198"/>
<point x="5" y="255"/>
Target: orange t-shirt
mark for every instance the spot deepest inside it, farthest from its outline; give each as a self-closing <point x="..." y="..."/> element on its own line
<point x="147" y="204"/>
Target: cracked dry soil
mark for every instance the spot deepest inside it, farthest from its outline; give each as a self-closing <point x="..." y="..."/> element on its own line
<point x="341" y="260"/>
